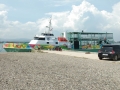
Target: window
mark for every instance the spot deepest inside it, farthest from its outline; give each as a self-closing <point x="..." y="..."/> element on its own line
<point x="47" y="34"/>
<point x="56" y="42"/>
<point x="51" y="35"/>
<point x="119" y="48"/>
<point x="35" y="38"/>
<point x="41" y="38"/>
<point x="47" y="42"/>
<point x="116" y="47"/>
<point x="107" y="48"/>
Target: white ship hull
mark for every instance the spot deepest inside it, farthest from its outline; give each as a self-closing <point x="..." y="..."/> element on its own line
<point x="34" y="43"/>
<point x="48" y="39"/>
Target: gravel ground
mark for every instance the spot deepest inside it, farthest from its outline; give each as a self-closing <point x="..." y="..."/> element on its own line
<point x="46" y="71"/>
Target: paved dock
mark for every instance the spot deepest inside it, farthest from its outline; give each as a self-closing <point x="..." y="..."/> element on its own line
<point x="82" y="54"/>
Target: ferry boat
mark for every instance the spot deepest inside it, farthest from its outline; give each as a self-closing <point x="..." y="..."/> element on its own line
<point x="17" y="47"/>
<point x="47" y="40"/>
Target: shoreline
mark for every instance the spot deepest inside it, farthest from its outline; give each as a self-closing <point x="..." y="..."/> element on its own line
<point x="82" y="54"/>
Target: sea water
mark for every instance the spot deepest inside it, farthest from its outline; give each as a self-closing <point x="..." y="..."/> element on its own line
<point x="1" y="48"/>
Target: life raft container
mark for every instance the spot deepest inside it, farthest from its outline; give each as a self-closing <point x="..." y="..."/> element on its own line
<point x="62" y="39"/>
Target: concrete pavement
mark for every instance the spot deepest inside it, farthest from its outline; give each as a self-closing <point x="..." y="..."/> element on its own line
<point x="75" y="53"/>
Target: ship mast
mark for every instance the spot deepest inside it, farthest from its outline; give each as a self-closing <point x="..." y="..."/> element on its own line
<point x="49" y="27"/>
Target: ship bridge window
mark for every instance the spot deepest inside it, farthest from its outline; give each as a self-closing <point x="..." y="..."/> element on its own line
<point x="51" y="35"/>
<point x="41" y="38"/>
<point x="35" y="38"/>
<point x="38" y="38"/>
<point x="47" y="34"/>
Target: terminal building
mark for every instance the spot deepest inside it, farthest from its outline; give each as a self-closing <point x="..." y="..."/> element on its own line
<point x="88" y="40"/>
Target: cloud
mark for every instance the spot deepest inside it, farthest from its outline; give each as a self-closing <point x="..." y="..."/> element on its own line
<point x="82" y="17"/>
<point x="88" y="18"/>
<point x="3" y="7"/>
<point x="14" y="29"/>
<point x="59" y="3"/>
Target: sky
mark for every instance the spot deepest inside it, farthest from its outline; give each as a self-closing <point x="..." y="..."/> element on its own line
<point x="26" y="18"/>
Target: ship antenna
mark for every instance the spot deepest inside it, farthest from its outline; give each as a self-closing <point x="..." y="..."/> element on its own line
<point x="49" y="27"/>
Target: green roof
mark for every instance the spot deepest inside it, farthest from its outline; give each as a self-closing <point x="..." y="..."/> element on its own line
<point x="88" y="33"/>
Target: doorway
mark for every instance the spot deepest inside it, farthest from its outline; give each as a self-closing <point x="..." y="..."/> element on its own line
<point x="76" y="44"/>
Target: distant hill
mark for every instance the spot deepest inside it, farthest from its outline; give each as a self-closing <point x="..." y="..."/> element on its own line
<point x="15" y="40"/>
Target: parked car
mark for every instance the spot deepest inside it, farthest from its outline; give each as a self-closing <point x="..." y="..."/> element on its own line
<point x="109" y="51"/>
